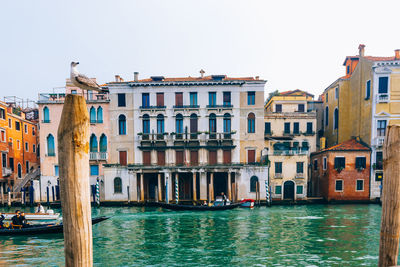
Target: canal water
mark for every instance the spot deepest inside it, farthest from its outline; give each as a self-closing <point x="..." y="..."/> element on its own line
<point x="314" y="235"/>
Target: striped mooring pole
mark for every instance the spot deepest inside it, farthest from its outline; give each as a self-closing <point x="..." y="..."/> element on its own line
<point x="97" y="193"/>
<point x="176" y="190"/>
<point x="267" y="194"/>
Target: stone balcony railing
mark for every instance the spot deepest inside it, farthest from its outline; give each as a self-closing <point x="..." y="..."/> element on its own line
<point x="293" y="152"/>
<point x="98" y="155"/>
<point x="378" y="141"/>
<point x="382" y="98"/>
<point x="6" y="172"/>
<point x="60" y="97"/>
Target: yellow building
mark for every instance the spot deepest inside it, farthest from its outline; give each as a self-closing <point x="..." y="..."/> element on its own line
<point x="362" y="103"/>
<point x="290" y="135"/>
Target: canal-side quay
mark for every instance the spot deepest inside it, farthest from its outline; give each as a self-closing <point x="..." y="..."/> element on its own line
<point x="313" y="235"/>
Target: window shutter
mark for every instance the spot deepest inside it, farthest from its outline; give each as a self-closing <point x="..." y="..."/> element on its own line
<point x="161" y="158"/>
<point x="212" y="157"/>
<point x="227" y="157"/>
<point x="122" y="158"/>
<point x="178" y="99"/>
<point x="194" y="157"/>
<point x="179" y="157"/>
<point x="160" y="99"/>
<point x="146" y="157"/>
<point x="251" y="156"/>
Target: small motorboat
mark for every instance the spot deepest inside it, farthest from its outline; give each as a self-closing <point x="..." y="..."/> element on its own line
<point x="43" y="228"/>
<point x="247" y="203"/>
<point x="197" y="208"/>
<point x="49" y="215"/>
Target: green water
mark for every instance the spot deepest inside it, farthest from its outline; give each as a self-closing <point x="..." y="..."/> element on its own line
<point x="316" y="235"/>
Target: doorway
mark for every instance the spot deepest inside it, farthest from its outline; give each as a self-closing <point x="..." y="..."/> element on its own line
<point x="288" y="190"/>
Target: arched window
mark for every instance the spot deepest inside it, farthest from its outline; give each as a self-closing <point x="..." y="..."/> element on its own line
<point x="251" y="123"/>
<point x="92" y="115"/>
<point x="327" y="116"/>
<point x="179" y="123"/>
<point x="46" y="115"/>
<point x="336" y="118"/>
<point x="227" y="123"/>
<point x="193" y="123"/>
<point x="99" y="115"/>
<point x="93" y="143"/>
<point x="160" y="124"/>
<point x="50" y="145"/>
<point x="146" y="124"/>
<point x="19" y="171"/>
<point x="103" y="143"/>
<point x="122" y="125"/>
<point x="253" y="183"/>
<point x="213" y="123"/>
<point x="117" y="185"/>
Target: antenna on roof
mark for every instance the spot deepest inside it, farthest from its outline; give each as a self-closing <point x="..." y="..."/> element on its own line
<point x="202" y="73"/>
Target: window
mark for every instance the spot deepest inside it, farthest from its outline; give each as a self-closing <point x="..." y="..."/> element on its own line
<point x="160" y="99"/>
<point x="179" y="99"/>
<point x="368" y="90"/>
<point x="378" y="176"/>
<point x="287" y="128"/>
<point x="213" y="123"/>
<point x="26" y="147"/>
<point x="179" y="124"/>
<point x="326" y="97"/>
<point x="146" y="157"/>
<point x="251" y="123"/>
<point x="179" y="157"/>
<point x="309" y="127"/>
<point x="299" y="190"/>
<point x="326" y="116"/>
<point x="300" y="167"/>
<point x="379" y="160"/>
<point x="123" y="158"/>
<point x="4" y="160"/>
<point x="3" y="135"/>
<point x="336" y="92"/>
<point x="121" y="100"/>
<point x="381" y="129"/>
<point x="339" y="185"/>
<point x="278" y="108"/>
<point x="278" y="189"/>
<point x="267" y="128"/>
<point x="212" y="157"/>
<point x="278" y="167"/>
<point x="340" y="162"/>
<point x="360" y="185"/>
<point x="99" y="115"/>
<point x="2" y="113"/>
<point x="227" y="98"/>
<point x="336" y="119"/>
<point x="92" y="115"/>
<point x="161" y="158"/>
<point x="50" y="146"/>
<point x="73" y="92"/>
<point x="26" y="128"/>
<point x="103" y="143"/>
<point x="251" y="98"/>
<point x="10" y="123"/>
<point x="227" y="156"/>
<point x="56" y="170"/>
<point x="34" y="148"/>
<point x="122" y="125"/>
<point x="93" y="143"/>
<point x="325" y="163"/>
<point x="348" y="69"/>
<point x="383" y="85"/>
<point x="46" y="115"/>
<point x="315" y="164"/>
<point x="361" y="163"/>
<point x="11" y="163"/>
<point x="33" y="131"/>
<point x="300" y="107"/>
<point x="227" y="123"/>
<point x="193" y="125"/>
<point x="304" y="146"/>
<point x="145" y="100"/>
<point x="160" y="124"/>
<point x="194" y="157"/>
<point x="296" y="128"/>
<point x="17" y="126"/>
<point x="94" y="170"/>
<point x="19" y="170"/>
<point x="193" y="98"/>
<point x="251" y="156"/>
<point x="253" y="183"/>
<point x="26" y="166"/>
<point x="146" y="124"/>
<point x="212" y="99"/>
<point x="117" y="185"/>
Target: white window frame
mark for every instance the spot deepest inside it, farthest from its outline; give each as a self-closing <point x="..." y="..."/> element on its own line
<point x="247" y="154"/>
<point x="362" y="186"/>
<point x="26" y="128"/>
<point x="301" y="190"/>
<point x="4" y="114"/>
<point x="19" y="164"/>
<point x="342" y="185"/>
<point x="370" y="89"/>
<point x="5" y="135"/>
<point x="9" y="123"/>
<point x="26" y="146"/>
<point x="275" y="189"/>
<point x="324" y="163"/>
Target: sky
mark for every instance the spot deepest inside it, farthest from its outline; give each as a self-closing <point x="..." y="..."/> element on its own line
<point x="291" y="44"/>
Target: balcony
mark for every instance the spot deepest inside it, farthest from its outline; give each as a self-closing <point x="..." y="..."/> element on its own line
<point x="379" y="141"/>
<point x="60" y="97"/>
<point x="382" y="98"/>
<point x="45" y="121"/>
<point x="220" y="107"/>
<point x="181" y="107"/>
<point x="278" y="176"/>
<point x="98" y="155"/>
<point x="148" y="108"/>
<point x="6" y="172"/>
<point x="308" y="133"/>
<point x="299" y="176"/>
<point x="292" y="152"/>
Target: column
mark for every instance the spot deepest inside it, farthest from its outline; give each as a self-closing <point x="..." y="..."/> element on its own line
<point x="229" y="187"/>
<point x="133" y="189"/>
<point x="168" y="186"/>
<point x="141" y="187"/>
<point x="212" y="186"/>
<point x="203" y="185"/>
<point x="159" y="187"/>
<point x="194" y="187"/>
<point x="176" y="187"/>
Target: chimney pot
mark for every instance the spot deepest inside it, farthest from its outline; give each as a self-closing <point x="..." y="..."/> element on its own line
<point x="397" y="54"/>
<point x="361" y="50"/>
<point x="136" y="76"/>
<point x="117" y="78"/>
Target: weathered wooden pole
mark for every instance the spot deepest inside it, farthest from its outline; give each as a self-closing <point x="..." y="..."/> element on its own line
<point x="2" y="195"/>
<point x="73" y="158"/>
<point x="390" y="223"/>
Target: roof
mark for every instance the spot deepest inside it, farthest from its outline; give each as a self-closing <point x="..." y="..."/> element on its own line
<point x="349" y="145"/>
<point x="296" y="92"/>
<point x="195" y="79"/>
<point x="379" y="58"/>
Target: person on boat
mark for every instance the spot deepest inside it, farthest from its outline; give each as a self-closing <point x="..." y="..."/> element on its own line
<point x="16" y="219"/>
<point x="205" y="203"/>
<point x="223" y="197"/>
<point x="24" y="221"/>
<point x="2" y="218"/>
<point x="40" y="208"/>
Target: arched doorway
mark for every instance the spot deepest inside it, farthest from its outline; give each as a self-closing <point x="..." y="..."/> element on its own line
<point x="288" y="190"/>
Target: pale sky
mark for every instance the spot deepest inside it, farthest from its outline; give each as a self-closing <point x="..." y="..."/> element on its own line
<point x="291" y="44"/>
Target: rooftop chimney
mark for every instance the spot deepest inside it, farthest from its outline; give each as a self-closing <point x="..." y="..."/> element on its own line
<point x="136" y="76"/>
<point x="117" y="78"/>
<point x="202" y="73"/>
<point x="257" y="77"/>
<point x="397" y="54"/>
<point x="361" y="50"/>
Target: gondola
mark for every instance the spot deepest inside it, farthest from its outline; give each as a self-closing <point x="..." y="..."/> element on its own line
<point x="43" y="228"/>
<point x="197" y="208"/>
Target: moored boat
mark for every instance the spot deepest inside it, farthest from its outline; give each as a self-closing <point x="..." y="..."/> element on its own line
<point x="247" y="203"/>
<point x="35" y="216"/>
<point x="197" y="208"/>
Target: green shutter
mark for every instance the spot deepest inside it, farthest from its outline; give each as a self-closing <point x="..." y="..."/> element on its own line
<point x="299" y="190"/>
<point x="278" y="190"/>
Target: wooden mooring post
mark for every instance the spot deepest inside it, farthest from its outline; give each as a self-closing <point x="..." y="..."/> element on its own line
<point x="73" y="158"/>
<point x="390" y="223"/>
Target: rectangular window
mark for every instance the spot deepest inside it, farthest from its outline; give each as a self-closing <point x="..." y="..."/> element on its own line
<point x="146" y="157"/>
<point x="145" y="100"/>
<point x="18" y="145"/>
<point x="287" y="128"/>
<point x="160" y="99"/>
<point x="193" y="98"/>
<point x="326" y="97"/>
<point x="3" y="135"/>
<point x="278" y="108"/>
<point x="339" y="185"/>
<point x="378" y="176"/>
<point x="383" y="85"/>
<point x="33" y="131"/>
<point x="4" y="160"/>
<point x="300" y="107"/>
<point x="381" y="129"/>
<point x="361" y="162"/>
<point x="368" y="90"/>
<point x="26" y="147"/>
<point x="179" y="157"/>
<point x="161" y="158"/>
<point x="251" y="156"/>
<point x="26" y="166"/>
<point x="56" y="170"/>
<point x="2" y="113"/>
<point x="10" y="123"/>
<point x="34" y="148"/>
<point x="73" y="92"/>
<point x="299" y="167"/>
<point x="299" y="190"/>
<point x="227" y="154"/>
<point x="296" y="128"/>
<point x="121" y="100"/>
<point x="94" y="170"/>
<point x="340" y="162"/>
<point x="26" y="128"/>
<point x="278" y="167"/>
<point x="227" y="99"/>
<point x="379" y="160"/>
<point x="11" y="163"/>
<point x="360" y="185"/>
<point x="309" y="127"/>
<point x="268" y="128"/>
<point x="17" y="126"/>
<point x="212" y="99"/>
<point x="278" y="189"/>
<point x="251" y="98"/>
<point x="348" y="69"/>
<point x="194" y="157"/>
<point x="212" y="157"/>
<point x="315" y="164"/>
<point x="325" y="164"/>
<point x="179" y="99"/>
<point x="336" y="92"/>
<point x="122" y="158"/>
